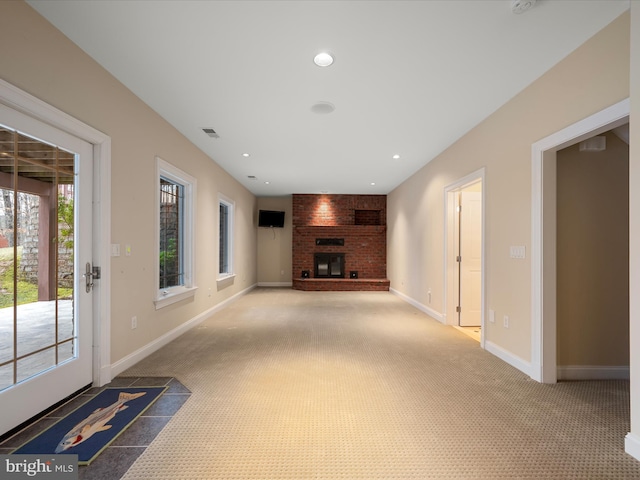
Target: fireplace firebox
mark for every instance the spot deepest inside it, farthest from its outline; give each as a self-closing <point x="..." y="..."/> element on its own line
<point x="329" y="265"/>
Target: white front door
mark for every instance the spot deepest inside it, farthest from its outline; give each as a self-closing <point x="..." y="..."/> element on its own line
<point x="471" y="258"/>
<point x="46" y="179"/>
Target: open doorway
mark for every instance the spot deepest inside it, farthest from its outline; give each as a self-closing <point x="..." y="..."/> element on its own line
<point x="465" y="254"/>
<point x="593" y="258"/>
<point x="544" y="360"/>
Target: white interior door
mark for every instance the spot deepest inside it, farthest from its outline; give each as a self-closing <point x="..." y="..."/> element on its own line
<point x="471" y="258"/>
<point x="45" y="337"/>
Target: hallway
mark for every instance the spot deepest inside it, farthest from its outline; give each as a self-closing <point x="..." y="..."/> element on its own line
<point x="360" y="385"/>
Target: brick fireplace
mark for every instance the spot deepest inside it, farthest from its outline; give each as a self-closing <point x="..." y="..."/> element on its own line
<point x="348" y="233"/>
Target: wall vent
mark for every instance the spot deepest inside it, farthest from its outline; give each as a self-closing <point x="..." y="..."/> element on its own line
<point x="211" y="132"/>
<point x="594" y="144"/>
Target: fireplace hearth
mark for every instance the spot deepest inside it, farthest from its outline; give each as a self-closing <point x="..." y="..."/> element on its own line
<point x="329" y="265"/>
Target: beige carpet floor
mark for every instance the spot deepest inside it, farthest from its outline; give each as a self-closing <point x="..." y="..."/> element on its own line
<point x="360" y="385"/>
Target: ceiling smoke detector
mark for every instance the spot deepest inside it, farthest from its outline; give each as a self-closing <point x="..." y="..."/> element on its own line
<point x="211" y="132"/>
<point x="322" y="108"/>
<point x="521" y="6"/>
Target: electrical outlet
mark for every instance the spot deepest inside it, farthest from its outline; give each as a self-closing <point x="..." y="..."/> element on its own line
<point x="492" y="316"/>
<point x="506" y="321"/>
<point x="429" y="295"/>
<point x="134" y="322"/>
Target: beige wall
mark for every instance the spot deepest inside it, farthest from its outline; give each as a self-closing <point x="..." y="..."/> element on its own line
<point x="593" y="255"/>
<point x="275" y="244"/>
<point x="37" y="58"/>
<point x="593" y="77"/>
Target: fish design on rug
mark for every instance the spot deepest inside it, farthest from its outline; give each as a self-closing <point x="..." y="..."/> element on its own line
<point x="96" y="422"/>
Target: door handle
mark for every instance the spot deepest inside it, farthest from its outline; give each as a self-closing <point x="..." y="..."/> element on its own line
<point x="90" y="274"/>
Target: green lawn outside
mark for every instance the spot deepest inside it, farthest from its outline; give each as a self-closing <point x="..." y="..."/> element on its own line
<point x="27" y="292"/>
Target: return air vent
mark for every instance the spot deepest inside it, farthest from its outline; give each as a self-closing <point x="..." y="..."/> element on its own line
<point x="211" y="132"/>
<point x="594" y="144"/>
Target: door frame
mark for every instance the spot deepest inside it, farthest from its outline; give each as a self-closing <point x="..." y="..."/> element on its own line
<point x="26" y="103"/>
<point x="450" y="265"/>
<point x="543" y="232"/>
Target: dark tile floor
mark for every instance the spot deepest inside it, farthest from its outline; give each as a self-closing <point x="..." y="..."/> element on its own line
<point x="116" y="459"/>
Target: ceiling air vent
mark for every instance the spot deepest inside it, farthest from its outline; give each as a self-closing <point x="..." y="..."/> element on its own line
<point x="211" y="132"/>
<point x="594" y="144"/>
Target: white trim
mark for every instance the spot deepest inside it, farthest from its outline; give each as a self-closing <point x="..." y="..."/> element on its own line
<point x="506" y="356"/>
<point x="102" y="253"/>
<point x="429" y="311"/>
<point x="28" y="104"/>
<point x="143" y="352"/>
<point x="224" y="277"/>
<point x="593" y="372"/>
<point x="231" y="206"/>
<point x="632" y="445"/>
<point x="177" y="294"/>
<point x="275" y="284"/>
<point x="171" y="295"/>
<point x="449" y="211"/>
<point x="543" y="331"/>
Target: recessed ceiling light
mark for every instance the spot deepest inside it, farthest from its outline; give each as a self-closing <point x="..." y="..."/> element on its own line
<point x="323" y="59"/>
<point x="246" y="155"/>
<point x="396" y="156"/>
<point x="373" y="183"/>
<point x="267" y="183"/>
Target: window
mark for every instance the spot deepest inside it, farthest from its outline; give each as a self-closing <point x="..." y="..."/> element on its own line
<point x="225" y="268"/>
<point x="175" y="191"/>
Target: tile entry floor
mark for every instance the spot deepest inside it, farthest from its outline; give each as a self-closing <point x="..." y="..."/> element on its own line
<point x="116" y="459"/>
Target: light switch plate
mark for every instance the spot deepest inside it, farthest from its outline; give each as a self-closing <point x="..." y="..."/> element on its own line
<point x="518" y="251"/>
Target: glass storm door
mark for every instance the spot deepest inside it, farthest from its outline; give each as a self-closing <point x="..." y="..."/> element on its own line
<point x="45" y="243"/>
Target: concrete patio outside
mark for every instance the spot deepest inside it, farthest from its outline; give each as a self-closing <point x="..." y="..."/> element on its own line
<point x="36" y="330"/>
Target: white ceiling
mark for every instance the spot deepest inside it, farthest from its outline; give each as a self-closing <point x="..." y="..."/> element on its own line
<point x="409" y="77"/>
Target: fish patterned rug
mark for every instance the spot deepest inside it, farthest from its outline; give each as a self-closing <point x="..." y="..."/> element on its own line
<point x="90" y="428"/>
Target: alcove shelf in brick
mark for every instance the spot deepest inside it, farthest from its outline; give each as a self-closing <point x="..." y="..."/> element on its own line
<point x="334" y="217"/>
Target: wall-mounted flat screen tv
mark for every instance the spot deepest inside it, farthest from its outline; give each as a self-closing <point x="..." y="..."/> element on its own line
<point x="270" y="218"/>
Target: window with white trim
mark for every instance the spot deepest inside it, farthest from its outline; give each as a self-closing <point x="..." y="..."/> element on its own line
<point x="225" y="248"/>
<point x="175" y="193"/>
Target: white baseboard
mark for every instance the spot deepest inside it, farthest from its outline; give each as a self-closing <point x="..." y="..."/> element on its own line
<point x="632" y="445"/>
<point x="133" y="358"/>
<point x="104" y="376"/>
<point x="592" y="372"/>
<point x="275" y="284"/>
<point x="510" y="358"/>
<point x="429" y="311"/>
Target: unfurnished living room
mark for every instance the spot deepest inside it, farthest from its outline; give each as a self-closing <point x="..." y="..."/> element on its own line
<point x="319" y="239"/>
